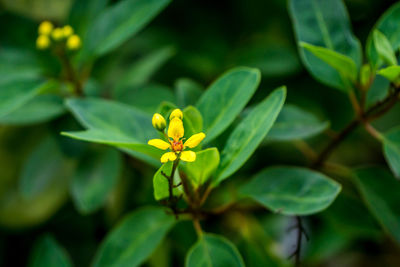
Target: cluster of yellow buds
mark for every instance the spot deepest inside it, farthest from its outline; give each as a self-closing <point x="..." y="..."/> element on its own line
<point x="47" y="34"/>
<point x="175" y="138"/>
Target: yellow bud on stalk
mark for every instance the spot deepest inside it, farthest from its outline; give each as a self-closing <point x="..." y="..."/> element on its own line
<point x="176" y="113"/>
<point x="45" y="28"/>
<point x="43" y="42"/>
<point x="74" y="42"/>
<point x="67" y="31"/>
<point x="158" y="122"/>
<point x="57" y="34"/>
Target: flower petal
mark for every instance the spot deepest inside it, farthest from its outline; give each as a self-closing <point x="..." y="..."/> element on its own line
<point x="168" y="156"/>
<point x="175" y="129"/>
<point x="194" y="140"/>
<point x="158" y="143"/>
<point x="188" y="156"/>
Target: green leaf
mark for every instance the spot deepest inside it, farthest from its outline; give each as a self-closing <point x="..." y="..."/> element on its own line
<point x="213" y="251"/>
<point x="225" y="98"/>
<point x="118" y="23"/>
<point x="387" y="25"/>
<point x="341" y="63"/>
<point x="133" y="240"/>
<point x="187" y="92"/>
<point x="39" y="109"/>
<point x="160" y="182"/>
<point x="326" y="24"/>
<point x="245" y="138"/>
<point x="15" y="93"/>
<point x="292" y="190"/>
<point x="141" y="71"/>
<point x="115" y="124"/>
<point x="384" y="48"/>
<point x="202" y="169"/>
<point x="294" y="123"/>
<point x="391" y="150"/>
<point x="380" y="192"/>
<point x="95" y="178"/>
<point x="44" y="167"/>
<point x="392" y="73"/>
<point x="192" y="121"/>
<point x="47" y="253"/>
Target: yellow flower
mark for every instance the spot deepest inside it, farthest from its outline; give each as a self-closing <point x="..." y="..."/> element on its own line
<point x="158" y="122"/>
<point x="43" y="42"/>
<point x="67" y="31"/>
<point x="176" y="113"/>
<point x="175" y="140"/>
<point x="74" y="42"/>
<point x="45" y="28"/>
<point x="57" y="34"/>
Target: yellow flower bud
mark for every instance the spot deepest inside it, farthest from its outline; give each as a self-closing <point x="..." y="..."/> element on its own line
<point x="43" y="42"/>
<point x="57" y="34"/>
<point x="45" y="28"/>
<point x="74" y="42"/>
<point x="176" y="113"/>
<point x="67" y="31"/>
<point x="158" y="122"/>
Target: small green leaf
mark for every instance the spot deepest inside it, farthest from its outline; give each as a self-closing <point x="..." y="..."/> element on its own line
<point x="141" y="71"/>
<point x="213" y="251"/>
<point x="95" y="178"/>
<point x="384" y="48"/>
<point x="341" y="63"/>
<point x="391" y="150"/>
<point x="187" y="91"/>
<point x="292" y="190"/>
<point x="115" y="124"/>
<point x="41" y="171"/>
<point x="39" y="109"/>
<point x="380" y="192"/>
<point x="245" y="138"/>
<point x="325" y="24"/>
<point x="192" y="121"/>
<point x="294" y="123"/>
<point x="160" y="182"/>
<point x="47" y="253"/>
<point x="118" y="23"/>
<point x="392" y="73"/>
<point x="133" y="240"/>
<point x="387" y="25"/>
<point x="225" y="98"/>
<point x="202" y="169"/>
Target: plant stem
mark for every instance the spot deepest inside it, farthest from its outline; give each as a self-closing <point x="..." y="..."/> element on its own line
<point x="197" y="227"/>
<point x="71" y="74"/>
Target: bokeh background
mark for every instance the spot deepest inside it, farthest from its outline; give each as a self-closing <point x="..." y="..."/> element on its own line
<point x="200" y="40"/>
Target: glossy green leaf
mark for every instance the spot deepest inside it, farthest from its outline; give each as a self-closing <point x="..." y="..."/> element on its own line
<point x="213" y="251"/>
<point x="378" y="91"/>
<point x="391" y="150"/>
<point x="294" y="123"/>
<point x="40" y="170"/>
<point x="292" y="190"/>
<point x="133" y="240"/>
<point x="187" y="92"/>
<point x="225" y="98"/>
<point x="115" y="124"/>
<point x="160" y="182"/>
<point x="47" y="253"/>
<point x="95" y="178"/>
<point x="141" y="71"/>
<point x="118" y="23"/>
<point x="192" y="121"/>
<point x="384" y="48"/>
<point x="324" y="23"/>
<point x="380" y="192"/>
<point x="341" y="63"/>
<point x="245" y="138"/>
<point x="392" y="73"/>
<point x="202" y="169"/>
<point x="39" y="109"/>
<point x="387" y="25"/>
